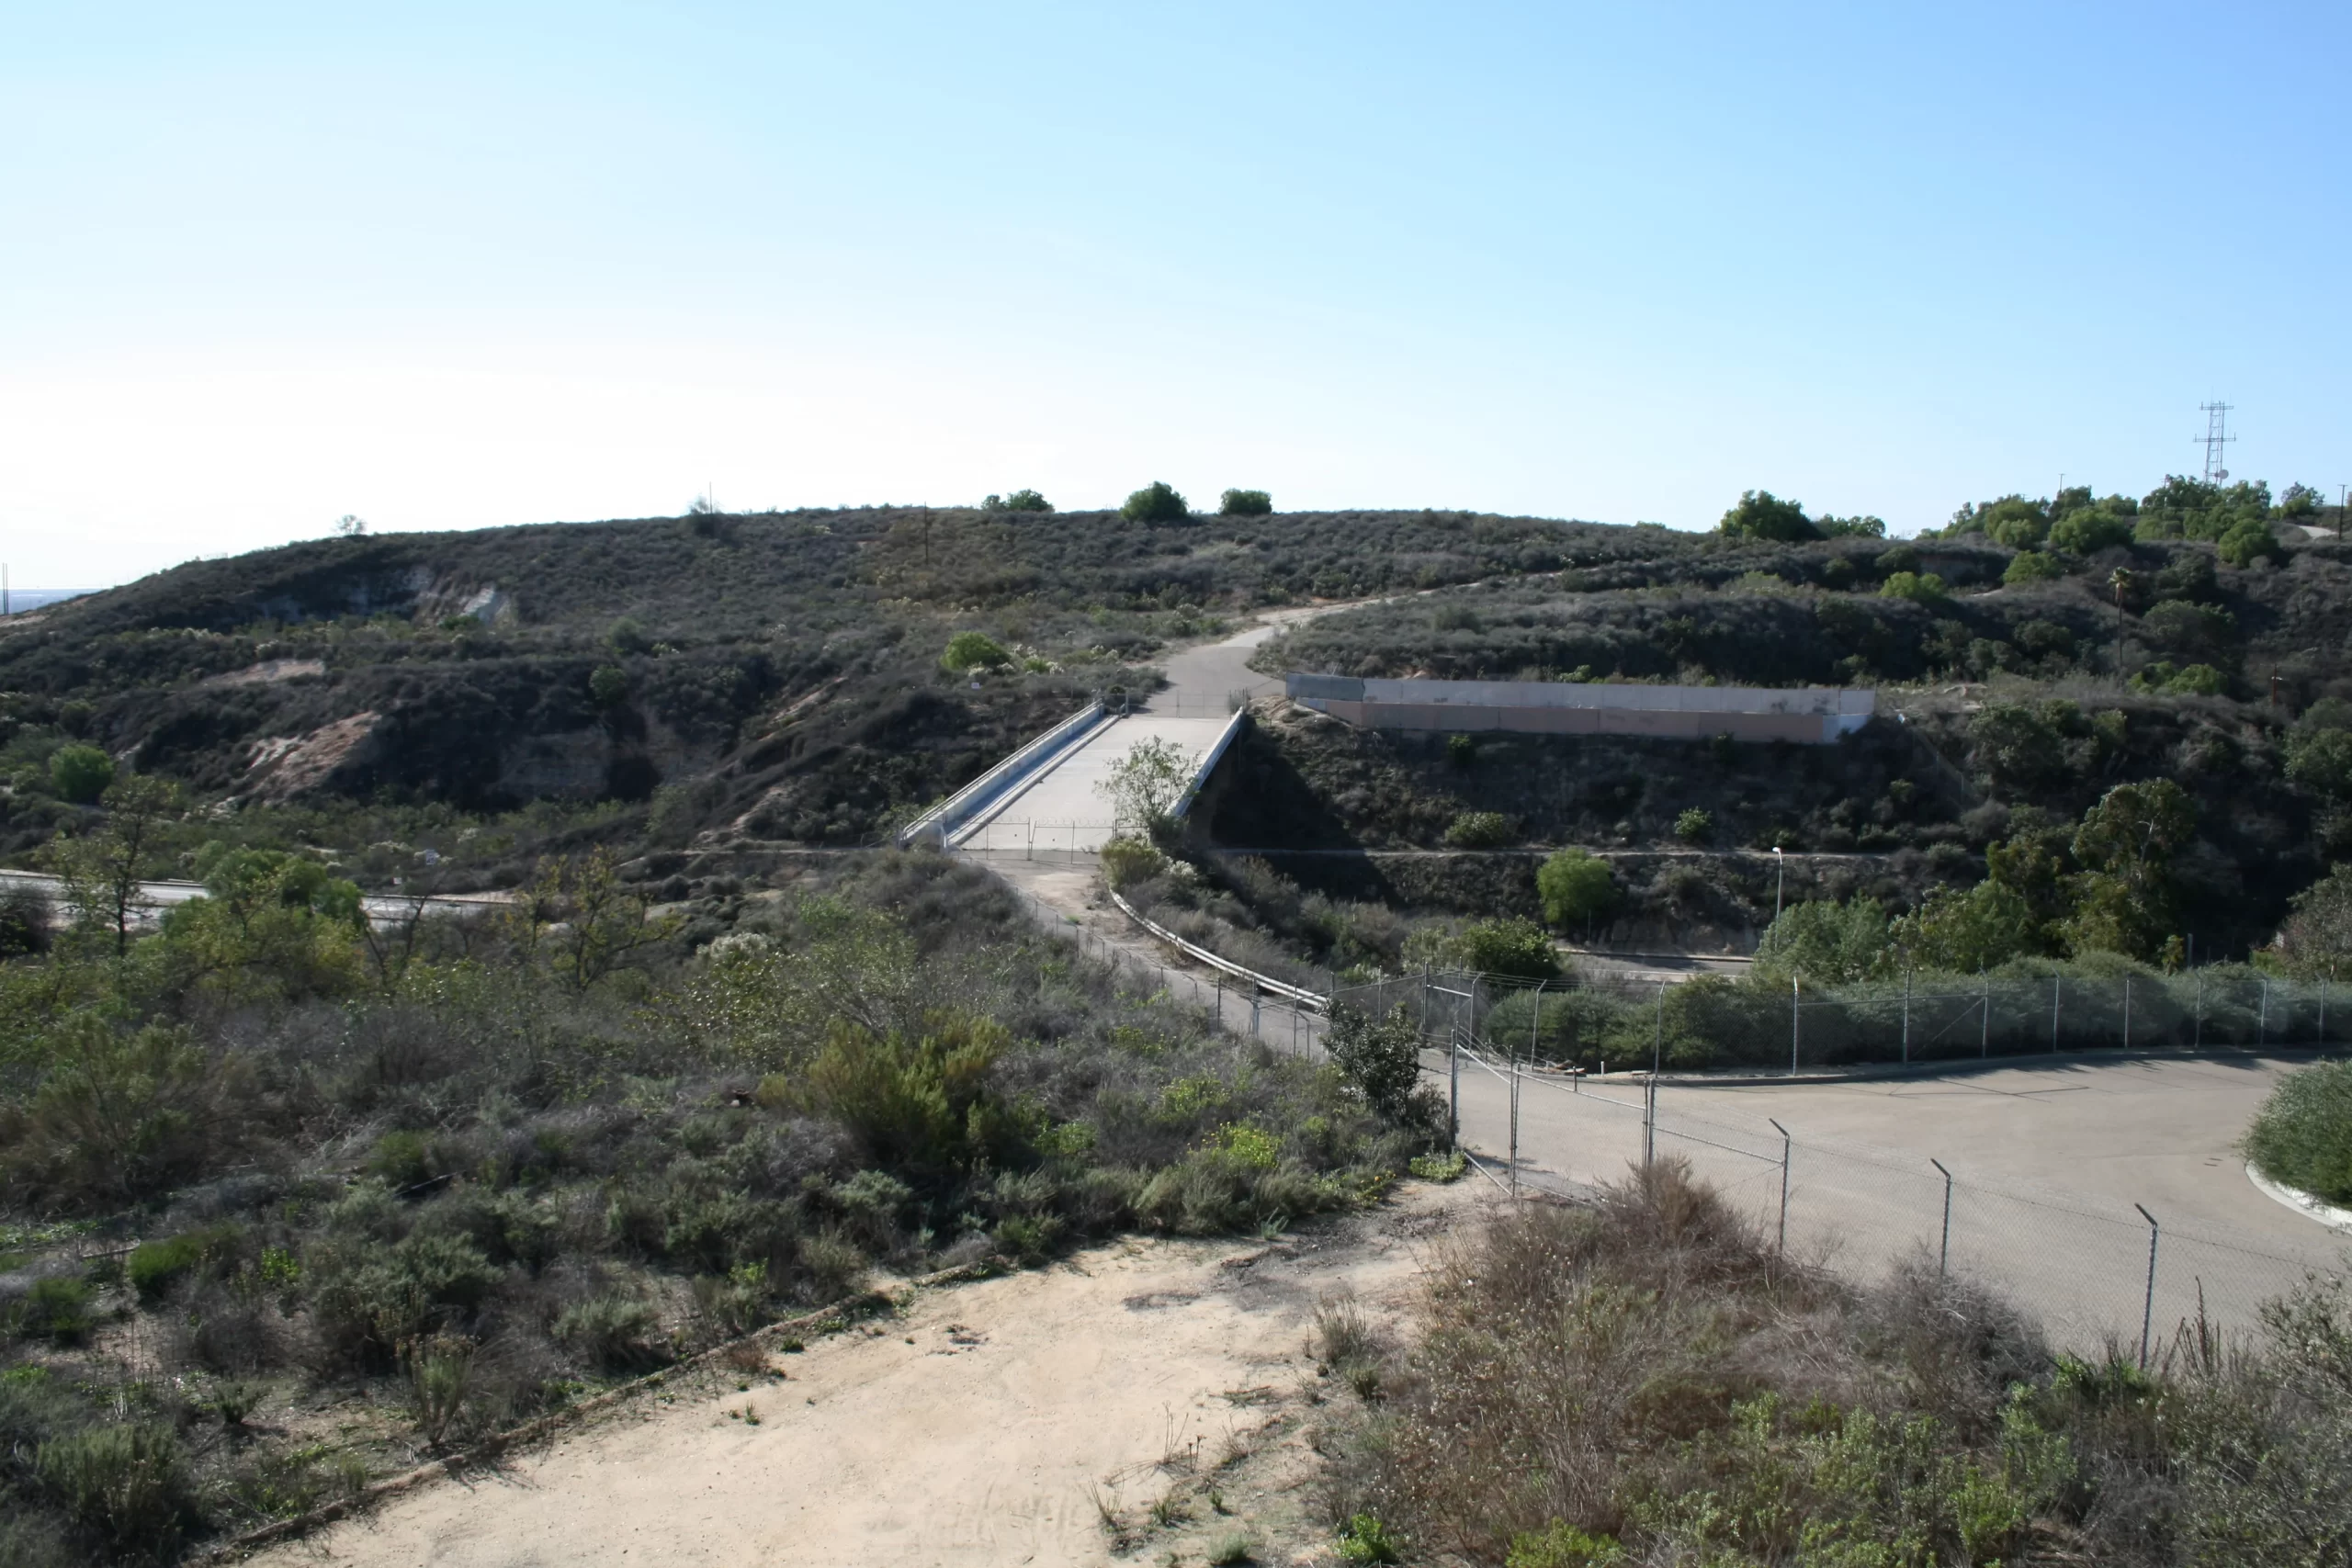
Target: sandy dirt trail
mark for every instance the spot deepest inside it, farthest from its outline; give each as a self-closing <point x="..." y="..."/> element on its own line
<point x="981" y="1425"/>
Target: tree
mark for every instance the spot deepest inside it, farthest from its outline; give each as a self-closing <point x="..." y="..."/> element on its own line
<point x="1515" y="948"/>
<point x="1576" y="886"/>
<point x="1019" y="500"/>
<point x="2316" y="941"/>
<point x="1827" y="942"/>
<point x="1382" y="1057"/>
<point x="2249" y="541"/>
<point x="627" y="636"/>
<point x="2032" y="566"/>
<point x="591" y="919"/>
<point x="1963" y="933"/>
<point x="1760" y="514"/>
<point x="1920" y="588"/>
<point x="1245" y="504"/>
<point x="102" y="870"/>
<point x="351" y="527"/>
<point x="2320" y="761"/>
<point x="1695" y="825"/>
<point x="973" y="651"/>
<point x="1156" y="502"/>
<point x="2298" y="500"/>
<point x="1145" y="785"/>
<point x="2090" y="531"/>
<point x="608" y="686"/>
<point x="1857" y="527"/>
<point x="2123" y="897"/>
<point x="268" y="922"/>
<point x="80" y="774"/>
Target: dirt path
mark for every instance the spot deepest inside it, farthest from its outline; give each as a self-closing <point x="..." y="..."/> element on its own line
<point x="998" y="1422"/>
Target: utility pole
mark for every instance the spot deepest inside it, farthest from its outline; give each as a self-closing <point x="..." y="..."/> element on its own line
<point x="1780" y="884"/>
<point x="2217" y="416"/>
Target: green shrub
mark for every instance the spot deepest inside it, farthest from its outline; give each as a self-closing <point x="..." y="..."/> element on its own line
<point x="1513" y="947"/>
<point x="612" y="1331"/>
<point x="1127" y="860"/>
<point x="154" y="1266"/>
<point x="1438" y="1167"/>
<point x="1576" y="886"/>
<point x="1461" y="750"/>
<point x="1563" y="1546"/>
<point x="919" y="1102"/>
<point x="123" y="1480"/>
<point x="1019" y="500"/>
<point x="627" y="636"/>
<point x="2090" y="531"/>
<point x="2033" y="566"/>
<point x="1245" y="504"/>
<point x="1760" y="514"/>
<point x="1920" y="588"/>
<point x="1156" y="502"/>
<point x="2245" y="544"/>
<point x="1479" y="830"/>
<point x="974" y="651"/>
<point x="80" y="774"/>
<point x="55" y="1308"/>
<point x="608" y="686"/>
<point x="2302" y="1136"/>
<point x="1695" y="825"/>
<point x="1365" y="1540"/>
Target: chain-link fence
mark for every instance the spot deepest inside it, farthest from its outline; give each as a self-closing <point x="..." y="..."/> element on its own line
<point x="1511" y="1061"/>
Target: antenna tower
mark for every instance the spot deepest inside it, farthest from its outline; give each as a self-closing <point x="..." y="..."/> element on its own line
<point x="2216" y="438"/>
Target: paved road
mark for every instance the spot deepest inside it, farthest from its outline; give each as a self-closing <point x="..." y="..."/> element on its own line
<point x="383" y="908"/>
<point x="2049" y="1158"/>
<point x="1063" y="810"/>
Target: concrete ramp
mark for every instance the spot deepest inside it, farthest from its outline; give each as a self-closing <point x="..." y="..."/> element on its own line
<point x="1062" y="807"/>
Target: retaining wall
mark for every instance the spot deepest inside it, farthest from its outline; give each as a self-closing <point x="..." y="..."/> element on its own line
<point x="1808" y="714"/>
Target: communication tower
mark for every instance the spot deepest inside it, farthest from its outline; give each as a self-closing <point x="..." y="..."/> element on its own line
<point x="2216" y="438"/>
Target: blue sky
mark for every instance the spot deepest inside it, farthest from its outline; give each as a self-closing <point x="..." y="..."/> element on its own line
<point x="452" y="266"/>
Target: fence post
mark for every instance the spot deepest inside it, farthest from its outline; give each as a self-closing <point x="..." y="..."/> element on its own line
<point x="1453" y="1093"/>
<point x="1657" y="1038"/>
<point x="1255" y="998"/>
<point x="2198" y="1039"/>
<point x="1906" y="1014"/>
<point x="2148" y="1308"/>
<point x="2262" y="1018"/>
<point x="2056" y="981"/>
<point x="2127" y="1012"/>
<point x="1985" y="1034"/>
<point x="1649" y="1121"/>
<point x="1783" y="1245"/>
<point x="1796" y="987"/>
<point x="1943" y="1250"/>
<point x="1514" y="1119"/>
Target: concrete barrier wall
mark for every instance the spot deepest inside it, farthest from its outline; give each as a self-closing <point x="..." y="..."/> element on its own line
<point x="941" y="821"/>
<point x="1808" y="714"/>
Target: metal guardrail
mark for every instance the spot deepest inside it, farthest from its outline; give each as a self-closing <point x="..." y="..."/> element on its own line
<point x="941" y="821"/>
<point x="1193" y="950"/>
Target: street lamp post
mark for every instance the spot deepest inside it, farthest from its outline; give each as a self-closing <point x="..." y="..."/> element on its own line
<point x="1780" y="884"/>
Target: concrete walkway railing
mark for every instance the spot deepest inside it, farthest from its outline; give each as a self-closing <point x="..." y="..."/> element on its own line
<point x="939" y="823"/>
<point x="1209" y="760"/>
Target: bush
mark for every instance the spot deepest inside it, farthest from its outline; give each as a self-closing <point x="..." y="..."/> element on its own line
<point x="2033" y="566"/>
<point x="54" y="1308"/>
<point x="1245" y="504"/>
<point x="1381" y="1056"/>
<point x="1760" y="514"/>
<point x="2302" y="1136"/>
<point x="1479" y="830"/>
<point x="1127" y="860"/>
<point x="1019" y="500"/>
<point x="155" y="1265"/>
<point x="1514" y="948"/>
<point x="974" y="651"/>
<point x="613" y="1332"/>
<point x="2248" y="542"/>
<point x="1156" y="502"/>
<point x="608" y="686"/>
<point x="1920" y="588"/>
<point x="1695" y="825"/>
<point x="80" y="774"/>
<point x="1576" y="886"/>
<point x="122" y="1481"/>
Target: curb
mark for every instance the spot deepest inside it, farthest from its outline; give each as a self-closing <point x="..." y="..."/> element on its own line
<point x="2303" y="1203"/>
<point x="1869" y="1072"/>
<point x="826" y="1319"/>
